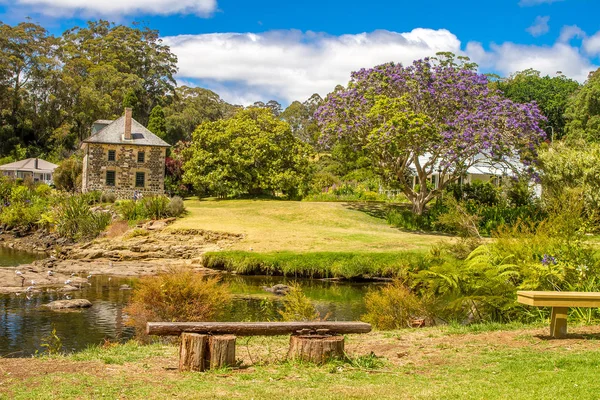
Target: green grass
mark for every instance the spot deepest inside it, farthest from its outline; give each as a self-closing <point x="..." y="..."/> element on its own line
<point x="349" y="265"/>
<point x="300" y="227"/>
<point x="418" y="364"/>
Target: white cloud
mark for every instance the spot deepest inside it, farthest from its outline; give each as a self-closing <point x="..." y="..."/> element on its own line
<point x="509" y="57"/>
<point x="539" y="27"/>
<point x="91" y="8"/>
<point x="527" y="3"/>
<point x="591" y="44"/>
<point x="292" y="65"/>
<point x="569" y="32"/>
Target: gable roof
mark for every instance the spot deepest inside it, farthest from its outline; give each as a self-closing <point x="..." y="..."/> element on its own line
<point x="28" y="165"/>
<point x="113" y="134"/>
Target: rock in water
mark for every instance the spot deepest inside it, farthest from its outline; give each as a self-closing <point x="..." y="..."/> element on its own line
<point x="64" y="304"/>
<point x="278" y="289"/>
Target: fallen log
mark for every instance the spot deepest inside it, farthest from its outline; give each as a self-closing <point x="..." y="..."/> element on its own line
<point x="255" y="328"/>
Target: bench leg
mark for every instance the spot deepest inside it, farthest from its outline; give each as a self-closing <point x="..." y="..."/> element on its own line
<point x="558" y="323"/>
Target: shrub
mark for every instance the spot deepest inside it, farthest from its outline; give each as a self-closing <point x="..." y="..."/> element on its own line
<point x="176" y="207"/>
<point x="176" y="295"/>
<point x="394" y="306"/>
<point x="130" y="210"/>
<point x="297" y="307"/>
<point x="76" y="221"/>
<point x="67" y="176"/>
<point x="108" y="197"/>
<point x="155" y="207"/>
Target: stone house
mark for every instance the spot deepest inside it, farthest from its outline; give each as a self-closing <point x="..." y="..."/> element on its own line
<point x="123" y="157"/>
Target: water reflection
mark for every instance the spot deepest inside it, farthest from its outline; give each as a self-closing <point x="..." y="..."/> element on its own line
<point x="24" y="322"/>
<point x="11" y="257"/>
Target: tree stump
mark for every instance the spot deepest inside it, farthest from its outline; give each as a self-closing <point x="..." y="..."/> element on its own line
<point x="316" y="348"/>
<point x="192" y="352"/>
<point x="221" y="351"/>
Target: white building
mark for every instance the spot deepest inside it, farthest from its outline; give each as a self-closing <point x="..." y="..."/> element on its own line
<point x="33" y="168"/>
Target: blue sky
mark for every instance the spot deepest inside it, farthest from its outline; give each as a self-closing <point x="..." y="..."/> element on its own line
<point x="258" y="50"/>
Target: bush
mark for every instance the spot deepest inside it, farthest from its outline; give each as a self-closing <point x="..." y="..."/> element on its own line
<point x="67" y="176"/>
<point x="394" y="306"/>
<point x="297" y="307"/>
<point x="176" y="207"/>
<point x="108" y="197"/>
<point x="177" y="295"/>
<point x="130" y="210"/>
<point x="75" y="220"/>
<point x="155" y="207"/>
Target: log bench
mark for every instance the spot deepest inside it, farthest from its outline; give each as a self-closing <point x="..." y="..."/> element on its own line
<point x="210" y="345"/>
<point x="560" y="303"/>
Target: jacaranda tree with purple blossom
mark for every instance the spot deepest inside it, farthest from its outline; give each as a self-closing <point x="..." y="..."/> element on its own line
<point x="434" y="116"/>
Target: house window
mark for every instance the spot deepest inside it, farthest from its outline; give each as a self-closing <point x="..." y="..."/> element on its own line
<point x="112" y="155"/>
<point x="110" y="178"/>
<point x="141" y="157"/>
<point x="140" y="179"/>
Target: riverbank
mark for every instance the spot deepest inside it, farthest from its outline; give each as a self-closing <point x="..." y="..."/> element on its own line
<point x="132" y="252"/>
<point x="443" y="362"/>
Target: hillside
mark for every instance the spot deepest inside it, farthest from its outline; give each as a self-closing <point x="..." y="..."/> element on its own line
<point x="303" y="226"/>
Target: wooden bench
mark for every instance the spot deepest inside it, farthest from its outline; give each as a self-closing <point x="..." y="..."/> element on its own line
<point x="560" y="303"/>
<point x="209" y="345"/>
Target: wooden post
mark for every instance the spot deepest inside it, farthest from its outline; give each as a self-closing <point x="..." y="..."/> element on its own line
<point x="558" y="323"/>
<point x="192" y="352"/>
<point x="221" y="351"/>
<point x="316" y="348"/>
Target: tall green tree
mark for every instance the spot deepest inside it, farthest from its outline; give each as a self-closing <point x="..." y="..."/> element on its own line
<point x="251" y="153"/>
<point x="189" y="107"/>
<point x="583" y="111"/>
<point x="550" y="93"/>
<point x="157" y="123"/>
<point x="300" y="116"/>
<point x="26" y="61"/>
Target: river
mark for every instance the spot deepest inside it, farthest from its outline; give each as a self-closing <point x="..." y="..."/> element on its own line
<point x="24" y="323"/>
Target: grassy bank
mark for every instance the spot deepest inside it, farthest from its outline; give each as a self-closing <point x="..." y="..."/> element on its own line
<point x="274" y="226"/>
<point x="474" y="363"/>
<point x="348" y="265"/>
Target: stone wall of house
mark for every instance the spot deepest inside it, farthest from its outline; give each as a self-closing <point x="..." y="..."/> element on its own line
<point x="126" y="164"/>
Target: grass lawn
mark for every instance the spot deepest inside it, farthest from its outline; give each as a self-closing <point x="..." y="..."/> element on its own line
<point x="432" y="363"/>
<point x="272" y="226"/>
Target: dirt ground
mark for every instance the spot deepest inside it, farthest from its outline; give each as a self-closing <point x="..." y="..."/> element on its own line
<point x="412" y="347"/>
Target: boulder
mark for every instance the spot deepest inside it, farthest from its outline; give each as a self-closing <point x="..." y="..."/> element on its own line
<point x="64" y="304"/>
<point x="278" y="289"/>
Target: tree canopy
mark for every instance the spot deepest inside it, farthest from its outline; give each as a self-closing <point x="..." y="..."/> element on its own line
<point x="550" y="94"/>
<point x="435" y="115"/>
<point x="251" y="153"/>
<point x="583" y="111"/>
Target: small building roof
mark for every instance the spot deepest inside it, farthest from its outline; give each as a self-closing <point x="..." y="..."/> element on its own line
<point x="29" y="165"/>
<point x="113" y="133"/>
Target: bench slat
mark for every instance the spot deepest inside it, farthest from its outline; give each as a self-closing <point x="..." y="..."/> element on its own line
<point x="252" y="328"/>
<point x="559" y="299"/>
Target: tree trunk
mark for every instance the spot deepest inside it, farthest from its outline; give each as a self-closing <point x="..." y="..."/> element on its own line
<point x="192" y="352"/>
<point x="221" y="351"/>
<point x="316" y="348"/>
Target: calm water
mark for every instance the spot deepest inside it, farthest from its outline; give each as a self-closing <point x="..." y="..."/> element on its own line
<point x="24" y="323"/>
<point x="12" y="258"/>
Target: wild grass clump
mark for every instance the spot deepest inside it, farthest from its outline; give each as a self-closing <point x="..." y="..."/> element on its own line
<point x="74" y="219"/>
<point x="151" y="207"/>
<point x="298" y="307"/>
<point x="177" y="295"/>
<point x="349" y="265"/>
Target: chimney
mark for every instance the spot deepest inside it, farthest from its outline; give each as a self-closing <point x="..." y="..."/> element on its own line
<point x="36" y="163"/>
<point x="127" y="135"/>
